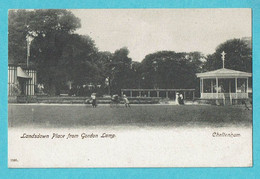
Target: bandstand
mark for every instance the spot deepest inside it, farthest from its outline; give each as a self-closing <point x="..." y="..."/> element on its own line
<point x="224" y="83"/>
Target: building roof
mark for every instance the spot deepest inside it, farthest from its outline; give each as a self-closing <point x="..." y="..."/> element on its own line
<point x="22" y="74"/>
<point x="223" y="73"/>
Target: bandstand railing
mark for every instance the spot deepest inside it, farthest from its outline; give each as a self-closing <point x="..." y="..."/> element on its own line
<point x="222" y="95"/>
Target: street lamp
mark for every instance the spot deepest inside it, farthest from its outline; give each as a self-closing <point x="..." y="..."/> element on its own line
<point x="28" y="40"/>
<point x="155" y="66"/>
<point x="107" y="82"/>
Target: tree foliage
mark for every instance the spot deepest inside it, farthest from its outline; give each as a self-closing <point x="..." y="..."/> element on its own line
<point x="120" y="70"/>
<point x="168" y="69"/>
<point x="51" y="31"/>
<point x="238" y="56"/>
<point x="42" y="24"/>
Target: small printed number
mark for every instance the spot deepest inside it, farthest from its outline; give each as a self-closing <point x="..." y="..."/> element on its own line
<point x="14" y="160"/>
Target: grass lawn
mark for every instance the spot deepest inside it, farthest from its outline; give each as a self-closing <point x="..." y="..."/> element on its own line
<point x="139" y="115"/>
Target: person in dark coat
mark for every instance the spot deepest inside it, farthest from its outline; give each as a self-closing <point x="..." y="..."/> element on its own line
<point x="94" y="100"/>
<point x="181" y="99"/>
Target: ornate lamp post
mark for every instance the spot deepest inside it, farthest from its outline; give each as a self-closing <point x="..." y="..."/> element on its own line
<point x="155" y="66"/>
<point x="28" y="40"/>
<point x="107" y="82"/>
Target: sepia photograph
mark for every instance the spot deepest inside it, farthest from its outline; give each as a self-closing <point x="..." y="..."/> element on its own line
<point x="91" y="88"/>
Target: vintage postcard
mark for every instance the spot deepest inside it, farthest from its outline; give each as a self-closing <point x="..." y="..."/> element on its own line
<point x="129" y="88"/>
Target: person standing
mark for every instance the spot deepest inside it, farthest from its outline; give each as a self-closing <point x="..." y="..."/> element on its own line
<point x="94" y="100"/>
<point x="181" y="99"/>
<point x="177" y="99"/>
<point x="126" y="101"/>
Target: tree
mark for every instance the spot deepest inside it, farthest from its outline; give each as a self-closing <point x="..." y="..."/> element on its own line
<point x="104" y="71"/>
<point x="136" y="75"/>
<point x="79" y="59"/>
<point x="168" y="69"/>
<point x="238" y="56"/>
<point x="120" y="69"/>
<point x="60" y="56"/>
<point x="51" y="32"/>
<point x="17" y="31"/>
<point x="37" y="24"/>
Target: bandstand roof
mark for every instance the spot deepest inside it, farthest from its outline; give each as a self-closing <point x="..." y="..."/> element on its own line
<point x="223" y="73"/>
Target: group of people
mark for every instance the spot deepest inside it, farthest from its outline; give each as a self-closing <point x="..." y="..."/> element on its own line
<point x="179" y="99"/>
<point x="114" y="100"/>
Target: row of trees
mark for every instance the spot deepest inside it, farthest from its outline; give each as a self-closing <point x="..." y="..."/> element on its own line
<point x="62" y="57"/>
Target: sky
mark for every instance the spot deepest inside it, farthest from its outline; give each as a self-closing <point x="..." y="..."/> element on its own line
<point x="145" y="31"/>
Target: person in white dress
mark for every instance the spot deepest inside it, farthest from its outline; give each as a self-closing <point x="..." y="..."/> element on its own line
<point x="177" y="99"/>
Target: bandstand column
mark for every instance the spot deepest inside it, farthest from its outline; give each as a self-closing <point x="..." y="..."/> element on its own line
<point x="202" y="91"/>
<point x="211" y="85"/>
<point x="229" y="86"/>
<point x="217" y="85"/>
<point x="167" y="94"/>
<point x="158" y="95"/>
<point x="148" y="93"/>
<point x="247" y="87"/>
<point x="236" y="86"/>
<point x="131" y="94"/>
<point x="200" y="86"/>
